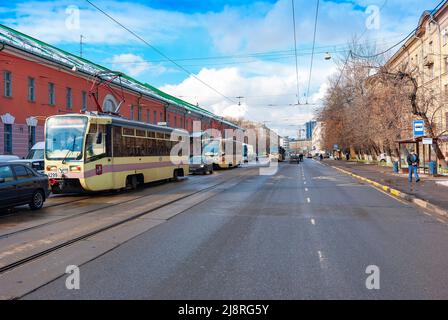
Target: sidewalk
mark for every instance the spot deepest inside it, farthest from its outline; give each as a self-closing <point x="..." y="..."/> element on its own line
<point x="430" y="189"/>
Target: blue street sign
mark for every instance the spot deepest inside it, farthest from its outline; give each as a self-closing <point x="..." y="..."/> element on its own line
<point x="419" y="128"/>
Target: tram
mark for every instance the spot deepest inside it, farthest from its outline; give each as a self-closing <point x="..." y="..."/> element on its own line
<point x="223" y="153"/>
<point x="100" y="152"/>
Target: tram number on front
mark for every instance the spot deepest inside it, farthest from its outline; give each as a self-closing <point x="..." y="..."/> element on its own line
<point x="52" y="175"/>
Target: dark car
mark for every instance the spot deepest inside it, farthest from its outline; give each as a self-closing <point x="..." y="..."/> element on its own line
<point x="199" y="165"/>
<point x="294" y="158"/>
<point x="21" y="185"/>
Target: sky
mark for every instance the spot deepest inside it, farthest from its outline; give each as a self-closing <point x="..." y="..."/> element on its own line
<point x="237" y="48"/>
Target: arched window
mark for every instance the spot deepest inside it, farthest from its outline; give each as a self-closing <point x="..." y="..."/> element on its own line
<point x="109" y="104"/>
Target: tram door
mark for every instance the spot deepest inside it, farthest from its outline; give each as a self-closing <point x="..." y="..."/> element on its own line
<point x="99" y="157"/>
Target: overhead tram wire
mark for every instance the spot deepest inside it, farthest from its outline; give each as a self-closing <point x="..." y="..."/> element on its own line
<point x="312" y="51"/>
<point x="295" y="50"/>
<point x="159" y="52"/>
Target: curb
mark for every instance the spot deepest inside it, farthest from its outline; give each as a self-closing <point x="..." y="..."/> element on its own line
<point x="399" y="194"/>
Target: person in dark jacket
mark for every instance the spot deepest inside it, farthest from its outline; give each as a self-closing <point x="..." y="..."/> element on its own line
<point x="413" y="162"/>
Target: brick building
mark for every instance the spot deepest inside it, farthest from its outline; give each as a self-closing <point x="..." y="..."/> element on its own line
<point x="38" y="80"/>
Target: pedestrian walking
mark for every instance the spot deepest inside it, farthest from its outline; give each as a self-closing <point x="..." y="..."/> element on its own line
<point x="414" y="163"/>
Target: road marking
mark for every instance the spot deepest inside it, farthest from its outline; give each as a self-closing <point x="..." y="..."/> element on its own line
<point x="308" y="200"/>
<point x="304" y="182"/>
<point x="321" y="259"/>
<point x="306" y="189"/>
<point x="313" y="222"/>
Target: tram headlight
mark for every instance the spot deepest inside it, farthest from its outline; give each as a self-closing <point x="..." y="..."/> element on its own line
<point x="75" y="168"/>
<point x="52" y="168"/>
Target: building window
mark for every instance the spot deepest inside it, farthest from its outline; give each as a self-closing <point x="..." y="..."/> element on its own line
<point x="148" y="116"/>
<point x="175" y="122"/>
<point x="445" y="37"/>
<point x="84" y="101"/>
<point x="430" y="48"/>
<point x="446" y="120"/>
<point x="132" y="113"/>
<point x="431" y="71"/>
<point x="31" y="137"/>
<point x="155" y="117"/>
<point x="8" y="139"/>
<point x="69" y="98"/>
<point x="139" y="114"/>
<point x="161" y="117"/>
<point x="31" y="90"/>
<point x="51" y="94"/>
<point x="7" y="90"/>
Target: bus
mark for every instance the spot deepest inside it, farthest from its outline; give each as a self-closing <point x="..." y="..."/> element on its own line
<point x="101" y="152"/>
<point x="223" y="153"/>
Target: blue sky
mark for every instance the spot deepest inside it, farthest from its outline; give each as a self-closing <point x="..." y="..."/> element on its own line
<point x="241" y="48"/>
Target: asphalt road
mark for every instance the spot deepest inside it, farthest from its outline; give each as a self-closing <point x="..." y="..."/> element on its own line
<point x="307" y="232"/>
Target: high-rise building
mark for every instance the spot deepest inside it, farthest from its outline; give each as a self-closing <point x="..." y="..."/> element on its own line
<point x="309" y="129"/>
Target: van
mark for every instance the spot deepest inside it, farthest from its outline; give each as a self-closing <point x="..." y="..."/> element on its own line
<point x="35" y="158"/>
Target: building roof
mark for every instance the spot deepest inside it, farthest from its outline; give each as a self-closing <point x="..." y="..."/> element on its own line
<point x="26" y="43"/>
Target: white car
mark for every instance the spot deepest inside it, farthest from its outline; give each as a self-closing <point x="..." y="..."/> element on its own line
<point x="4" y="158"/>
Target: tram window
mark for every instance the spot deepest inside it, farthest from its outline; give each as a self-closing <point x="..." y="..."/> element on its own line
<point x="93" y="128"/>
<point x="160" y="136"/>
<point x="140" y="133"/>
<point x="96" y="144"/>
<point x="151" y="134"/>
<point x="128" y="132"/>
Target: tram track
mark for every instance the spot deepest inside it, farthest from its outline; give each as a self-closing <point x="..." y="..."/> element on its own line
<point x="23" y="261"/>
<point x="136" y="198"/>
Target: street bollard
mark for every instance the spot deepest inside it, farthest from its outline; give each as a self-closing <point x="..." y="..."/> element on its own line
<point x="396" y="167"/>
<point x="433" y="168"/>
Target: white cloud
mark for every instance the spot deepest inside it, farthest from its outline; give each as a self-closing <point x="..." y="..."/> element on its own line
<point x="47" y="21"/>
<point x="268" y="96"/>
<point x="135" y="65"/>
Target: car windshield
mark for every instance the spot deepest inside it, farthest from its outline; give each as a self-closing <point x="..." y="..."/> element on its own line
<point x="65" y="138"/>
<point x="35" y="154"/>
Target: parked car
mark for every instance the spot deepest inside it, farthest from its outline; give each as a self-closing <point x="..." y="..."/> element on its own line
<point x="6" y="158"/>
<point x="200" y="165"/>
<point x="21" y="185"/>
<point x="35" y="158"/>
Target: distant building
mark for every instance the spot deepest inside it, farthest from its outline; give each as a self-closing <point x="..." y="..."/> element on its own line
<point x="300" y="146"/>
<point x="285" y="143"/>
<point x="317" y="139"/>
<point x="309" y="129"/>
